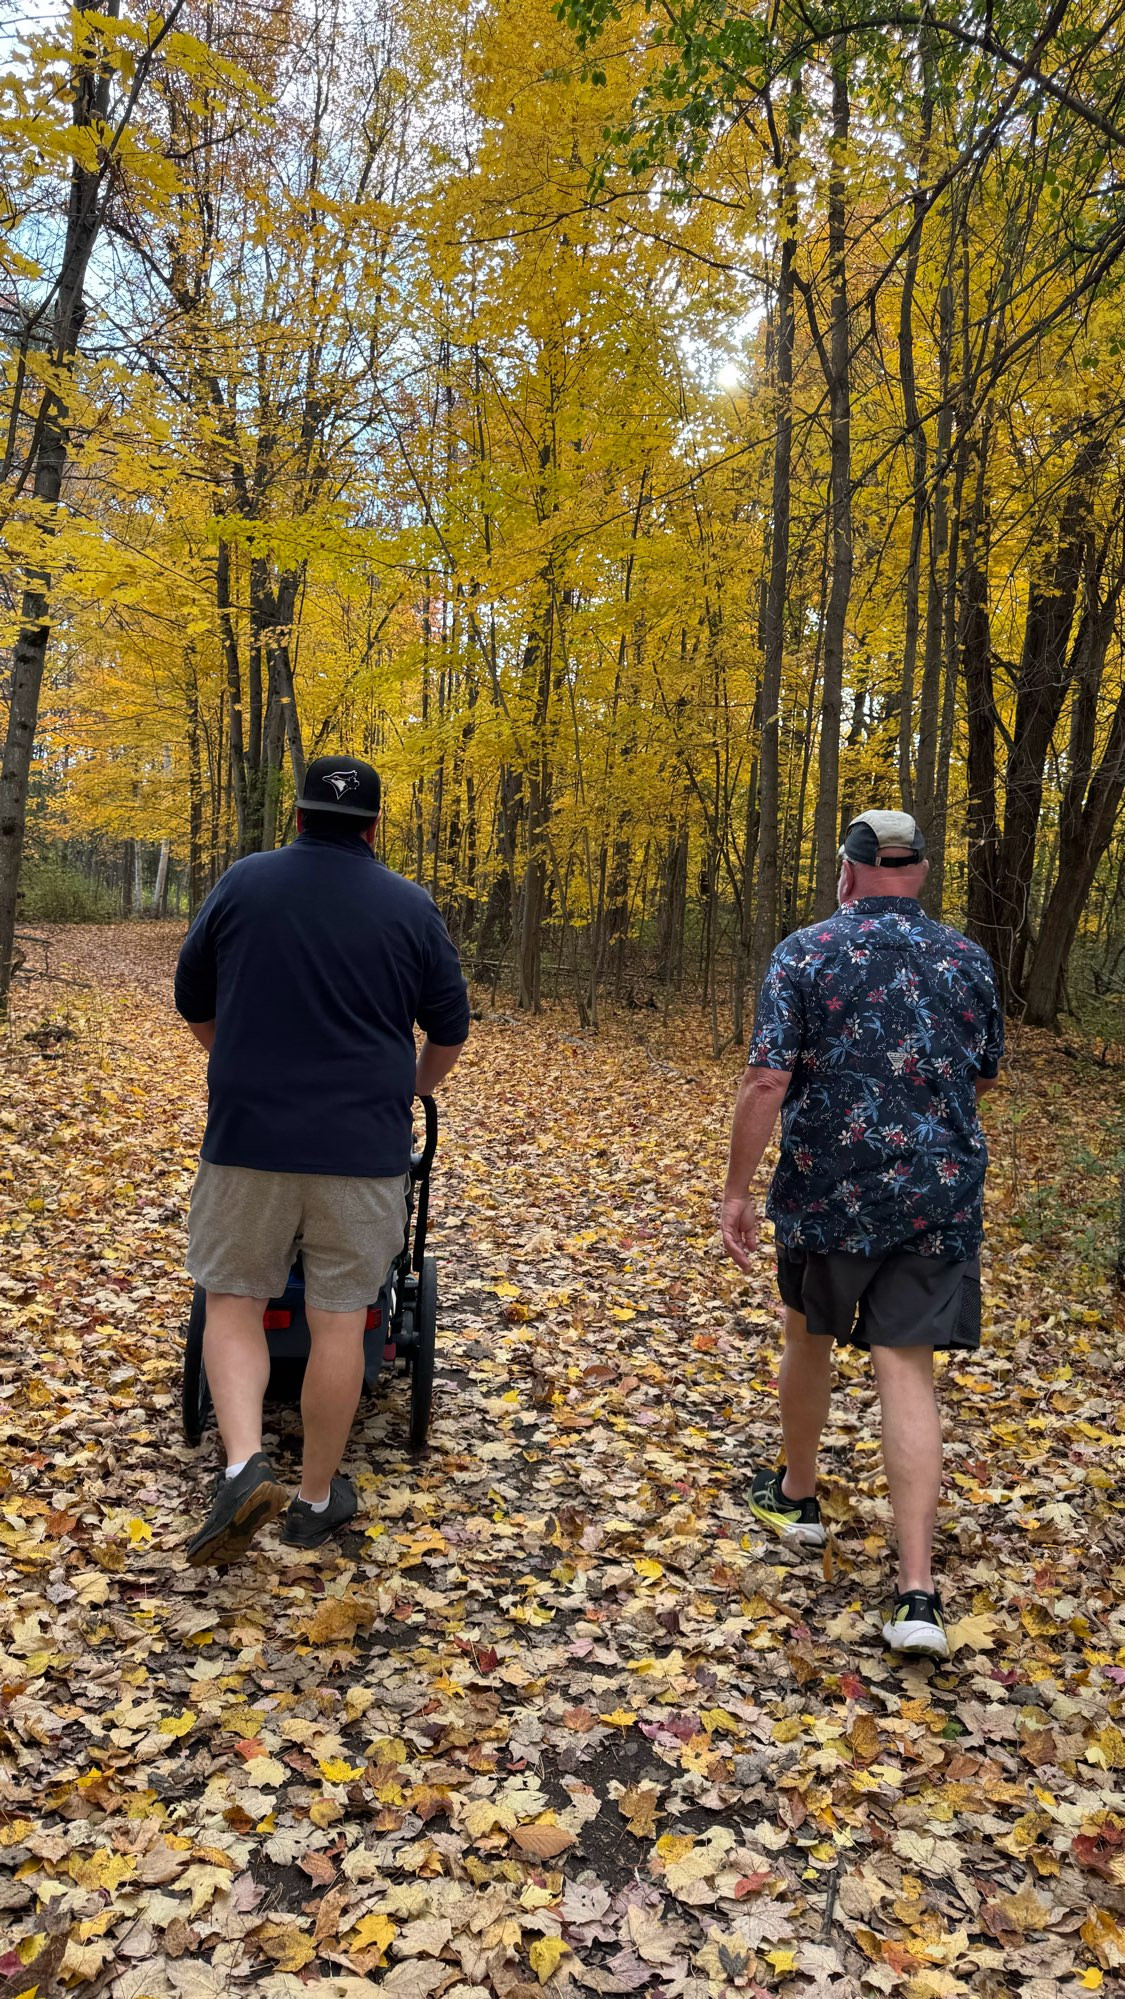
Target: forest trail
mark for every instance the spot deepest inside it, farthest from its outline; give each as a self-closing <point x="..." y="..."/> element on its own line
<point x="557" y="1714"/>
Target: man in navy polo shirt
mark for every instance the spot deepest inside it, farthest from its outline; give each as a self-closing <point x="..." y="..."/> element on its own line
<point x="303" y="976"/>
<point x="877" y="1032"/>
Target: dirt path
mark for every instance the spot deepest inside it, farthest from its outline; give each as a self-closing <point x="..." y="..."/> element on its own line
<point x="556" y="1712"/>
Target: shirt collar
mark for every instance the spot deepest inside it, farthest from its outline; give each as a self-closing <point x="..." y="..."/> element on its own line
<point x="352" y="843"/>
<point x="880" y="905"/>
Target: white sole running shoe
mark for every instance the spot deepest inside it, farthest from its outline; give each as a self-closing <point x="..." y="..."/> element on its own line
<point x="796" y="1521"/>
<point x="916" y="1625"/>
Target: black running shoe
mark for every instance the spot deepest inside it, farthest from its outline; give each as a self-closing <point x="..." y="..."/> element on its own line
<point x="796" y="1520"/>
<point x="916" y="1624"/>
<point x="303" y="1527"/>
<point x="239" y="1507"/>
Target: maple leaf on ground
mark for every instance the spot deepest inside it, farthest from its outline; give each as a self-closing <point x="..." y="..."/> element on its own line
<point x="640" y="1808"/>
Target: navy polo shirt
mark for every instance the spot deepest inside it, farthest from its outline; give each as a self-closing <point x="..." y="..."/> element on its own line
<point x="315" y="962"/>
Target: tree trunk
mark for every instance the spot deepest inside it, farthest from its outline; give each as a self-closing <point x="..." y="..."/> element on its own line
<point x="537" y="668"/>
<point x="826" y="824"/>
<point x="914" y="430"/>
<point x="773" y="614"/>
<point x="941" y="591"/>
<point x="235" y="737"/>
<point x="1089" y="810"/>
<point x="160" y="885"/>
<point x="1045" y="675"/>
<point x="976" y="664"/>
<point x="91" y="102"/>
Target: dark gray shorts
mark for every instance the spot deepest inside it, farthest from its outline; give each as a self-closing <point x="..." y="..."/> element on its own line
<point x="897" y="1300"/>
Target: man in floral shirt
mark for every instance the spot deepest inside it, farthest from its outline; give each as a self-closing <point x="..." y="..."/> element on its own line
<point x="877" y="1032"/>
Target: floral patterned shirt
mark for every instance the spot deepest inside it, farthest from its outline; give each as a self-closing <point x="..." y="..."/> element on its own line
<point x="885" y="1018"/>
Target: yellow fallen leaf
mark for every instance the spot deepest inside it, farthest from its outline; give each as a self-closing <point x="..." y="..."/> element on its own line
<point x="178" y="1724"/>
<point x="674" y="1845"/>
<point x="336" y="1771"/>
<point x="645" y="1566"/>
<point x="788" y="1729"/>
<point x="373" y="1933"/>
<point x="140" y="1533"/>
<point x="1102" y="1932"/>
<point x="619" y="1717"/>
<point x="504" y="1289"/>
<point x="621" y="1313"/>
<point x="545" y="1954"/>
<point x="266" y="1772"/>
<point x="289" y="1947"/>
<point x="337" y="1617"/>
<point x="784" y="1959"/>
<point x="484" y="1815"/>
<point x="1091" y="1978"/>
<point x="975" y="1631"/>
<point x="325" y="1811"/>
<point x="714" y="1718"/>
<point x="102" y="1869"/>
<point x="1107" y="1748"/>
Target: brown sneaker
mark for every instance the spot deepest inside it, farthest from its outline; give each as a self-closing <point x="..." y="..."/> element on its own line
<point x="239" y="1507"/>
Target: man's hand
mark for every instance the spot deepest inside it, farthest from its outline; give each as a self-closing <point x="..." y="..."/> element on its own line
<point x="738" y="1220"/>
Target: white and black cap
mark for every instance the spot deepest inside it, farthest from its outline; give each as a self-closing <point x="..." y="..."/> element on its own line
<point x="876" y="840"/>
<point x="343" y="785"/>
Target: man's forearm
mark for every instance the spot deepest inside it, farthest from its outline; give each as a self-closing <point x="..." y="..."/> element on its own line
<point x="760" y="1096"/>
<point x="204" y="1032"/>
<point x="434" y="1064"/>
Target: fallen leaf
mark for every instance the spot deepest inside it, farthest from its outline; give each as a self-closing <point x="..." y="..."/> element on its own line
<point x="543" y="1842"/>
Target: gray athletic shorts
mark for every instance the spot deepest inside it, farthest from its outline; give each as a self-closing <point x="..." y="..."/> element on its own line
<point x="245" y="1228"/>
<point x="897" y="1300"/>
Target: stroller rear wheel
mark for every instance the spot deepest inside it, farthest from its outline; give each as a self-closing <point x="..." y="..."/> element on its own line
<point x="196" y="1395"/>
<point x="422" y="1355"/>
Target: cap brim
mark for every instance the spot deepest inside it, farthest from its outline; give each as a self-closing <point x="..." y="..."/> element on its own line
<point x="338" y="811"/>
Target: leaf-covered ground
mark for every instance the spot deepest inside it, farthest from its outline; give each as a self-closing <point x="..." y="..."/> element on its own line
<point x="557" y="1714"/>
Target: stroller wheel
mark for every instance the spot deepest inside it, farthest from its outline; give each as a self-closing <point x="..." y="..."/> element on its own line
<point x="422" y="1357"/>
<point x="196" y="1396"/>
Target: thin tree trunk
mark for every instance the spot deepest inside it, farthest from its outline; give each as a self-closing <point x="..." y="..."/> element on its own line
<point x="196" y="889"/>
<point x="1047" y="668"/>
<point x="1086" y="821"/>
<point x="826" y="824"/>
<point x="981" y="822"/>
<point x="92" y="80"/>
<point x="914" y="430"/>
<point x="773" y="615"/>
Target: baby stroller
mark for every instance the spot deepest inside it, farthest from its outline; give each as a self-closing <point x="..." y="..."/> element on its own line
<point x="401" y="1325"/>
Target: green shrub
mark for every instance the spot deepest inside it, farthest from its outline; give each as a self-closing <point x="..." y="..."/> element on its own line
<point x="53" y="893"/>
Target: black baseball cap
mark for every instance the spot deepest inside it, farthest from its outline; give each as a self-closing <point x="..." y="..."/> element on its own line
<point x="869" y="836"/>
<point x="344" y="785"/>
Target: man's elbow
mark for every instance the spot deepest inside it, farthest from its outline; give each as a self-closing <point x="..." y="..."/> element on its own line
<point x="766" y="1083"/>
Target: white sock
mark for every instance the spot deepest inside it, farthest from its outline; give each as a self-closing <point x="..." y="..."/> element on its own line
<point x="315" y="1505"/>
<point x="233" y="1470"/>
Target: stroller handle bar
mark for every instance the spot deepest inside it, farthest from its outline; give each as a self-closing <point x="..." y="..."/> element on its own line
<point x="420" y="1174"/>
<point x="421" y="1162"/>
